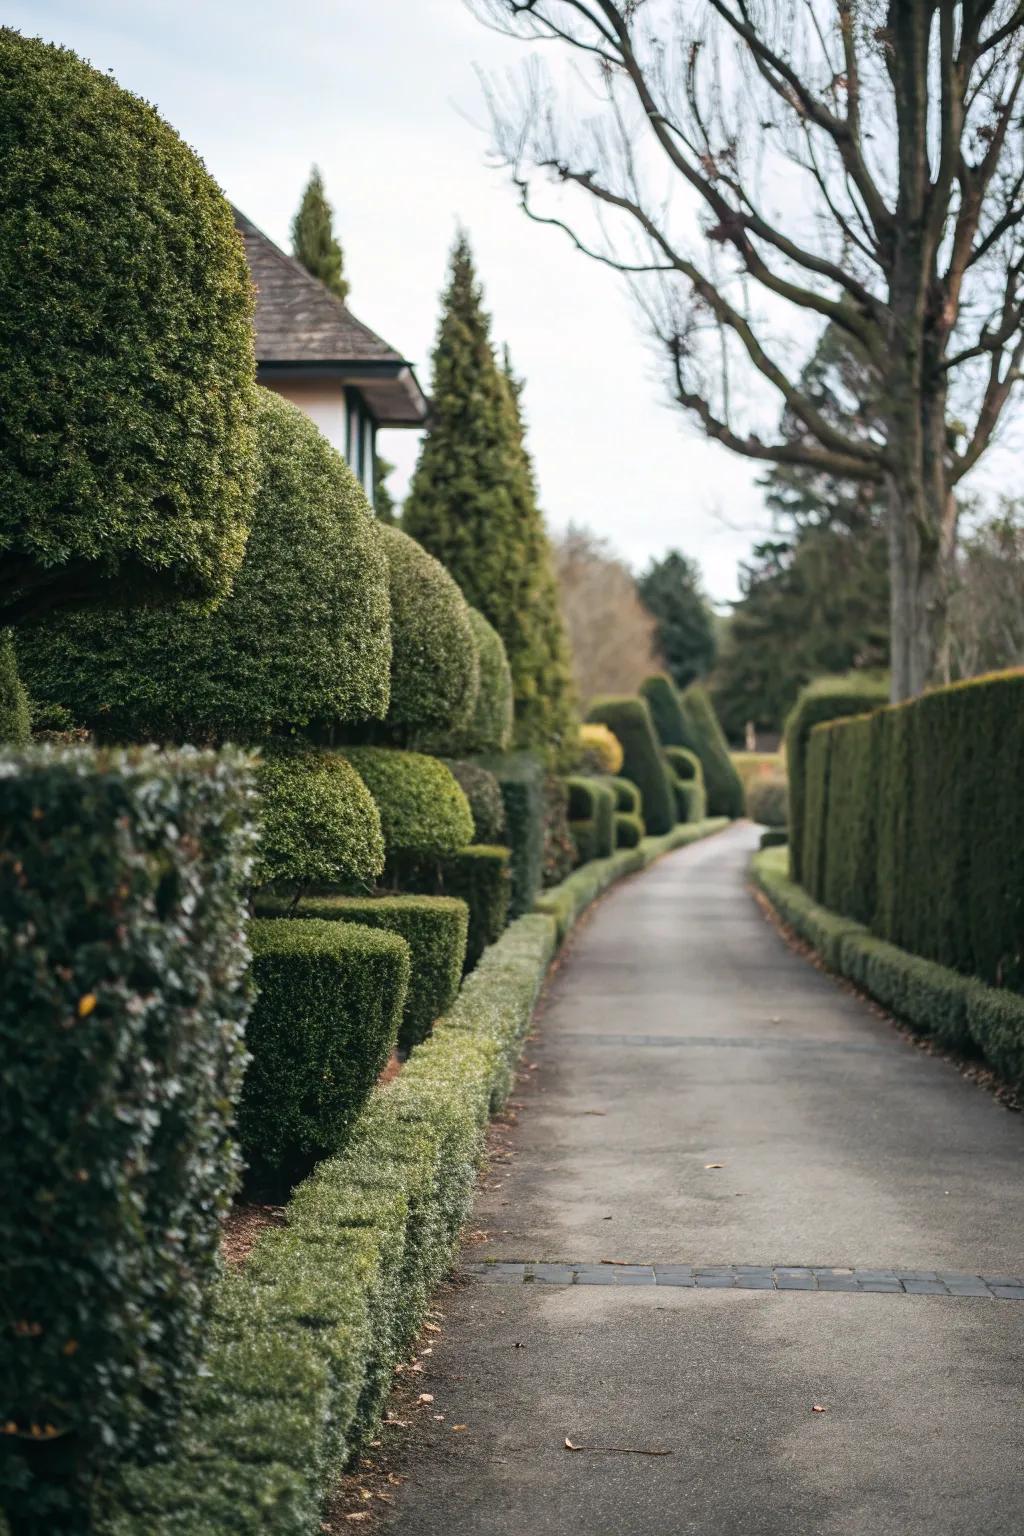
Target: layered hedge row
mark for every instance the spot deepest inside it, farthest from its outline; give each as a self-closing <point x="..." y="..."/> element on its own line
<point x="122" y="881"/>
<point x="958" y="1011"/>
<point x="643" y="761"/>
<point x="914" y="824"/>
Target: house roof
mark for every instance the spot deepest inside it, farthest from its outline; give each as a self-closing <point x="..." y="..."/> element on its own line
<point x="305" y="331"/>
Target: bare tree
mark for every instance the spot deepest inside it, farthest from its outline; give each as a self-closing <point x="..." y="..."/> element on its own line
<point x="611" y="633"/>
<point x="986" y="610"/>
<point x="763" y="168"/>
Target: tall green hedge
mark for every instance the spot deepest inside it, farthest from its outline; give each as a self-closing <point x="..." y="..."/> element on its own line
<point x="489" y="727"/>
<point x="722" y="783"/>
<point x="302" y="639"/>
<point x="15" y="713"/>
<point x="591" y="817"/>
<point x="522" y="780"/>
<point x="827" y="698"/>
<point x="666" y="707"/>
<point x="126" y="348"/>
<point x="329" y="1000"/>
<point x="319" y="824"/>
<point x="914" y="821"/>
<point x="480" y="876"/>
<point x="122" y="883"/>
<point x="422" y="809"/>
<point x="643" y="762"/>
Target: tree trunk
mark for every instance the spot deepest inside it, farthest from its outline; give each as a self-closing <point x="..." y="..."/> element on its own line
<point x="922" y="533"/>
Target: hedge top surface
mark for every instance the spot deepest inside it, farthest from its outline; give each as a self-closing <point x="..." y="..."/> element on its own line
<point x="126" y="345"/>
<point x="422" y="809"/>
<point x="435" y="669"/>
<point x="319" y="822"/>
<point x="302" y="639"/>
<point x="489" y="728"/>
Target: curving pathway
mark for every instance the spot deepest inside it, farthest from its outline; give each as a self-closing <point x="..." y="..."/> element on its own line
<point x="860" y="1248"/>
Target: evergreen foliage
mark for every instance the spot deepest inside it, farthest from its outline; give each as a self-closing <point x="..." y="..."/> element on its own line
<point x="15" y="713"/>
<point x="422" y="809"/>
<point x="319" y="824"/>
<point x="643" y="761"/>
<point x="479" y="876"/>
<point x="671" y="589"/>
<point x="126" y="348"/>
<point x="473" y="505"/>
<point x="522" y="780"/>
<point x="483" y="792"/>
<point x="313" y="239"/>
<point x="303" y="638"/>
<point x="384" y="504"/>
<point x="721" y="780"/>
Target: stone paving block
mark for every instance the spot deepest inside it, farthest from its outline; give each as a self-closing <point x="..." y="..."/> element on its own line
<point x="1008" y="1292"/>
<point x="916" y="1274"/>
<point x="715" y="1282"/>
<point x="925" y="1288"/>
<point x="836" y="1283"/>
<point x="634" y="1277"/>
<point x="994" y="1280"/>
<point x="553" y="1274"/>
<point x="965" y="1286"/>
<point x="755" y="1283"/>
<point x="796" y="1283"/>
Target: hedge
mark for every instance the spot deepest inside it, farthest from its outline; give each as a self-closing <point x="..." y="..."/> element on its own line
<point x="959" y="1011"/>
<point x="15" y="713"/>
<point x="591" y="817"/>
<point x="122" y="880"/>
<point x="483" y="792"/>
<point x="688" y="783"/>
<point x="329" y="1001"/>
<point x="435" y="670"/>
<point x="916" y="824"/>
<point x="665" y="705"/>
<point x="478" y="875"/>
<point x="435" y="929"/>
<point x="828" y="698"/>
<point x="768" y="800"/>
<point x="600" y="750"/>
<point x="629" y="830"/>
<point x="630" y="719"/>
<point x="302" y="639"/>
<point x="126" y="336"/>
<point x="318" y="821"/>
<point x="521" y="778"/>
<point x="489" y="727"/>
<point x="422" y="809"/>
<point x="628" y="798"/>
<point x="721" y="781"/>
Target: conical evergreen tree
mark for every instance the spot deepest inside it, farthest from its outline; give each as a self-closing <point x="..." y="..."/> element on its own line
<point x="473" y="504"/>
<point x="313" y="240"/>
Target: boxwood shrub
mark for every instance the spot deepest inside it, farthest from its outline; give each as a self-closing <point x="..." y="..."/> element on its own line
<point x="627" y="796"/>
<point x="591" y="817"/>
<point x="599" y="750"/>
<point x="478" y="875"/>
<point x="302" y="640"/>
<point x="521" y="777"/>
<point x="319" y="824"/>
<point x="329" y="1001"/>
<point x="489" y="727"/>
<point x="122" y="881"/>
<point x="688" y="783"/>
<point x="422" y="809"/>
<point x="643" y="762"/>
<point x="483" y="792"/>
<point x="722" y="783"/>
<point x="15" y="713"/>
<point x="435" y="929"/>
<point x="629" y="830"/>
<point x="124" y="279"/>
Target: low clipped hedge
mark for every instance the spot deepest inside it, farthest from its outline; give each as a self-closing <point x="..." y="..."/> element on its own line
<point x="122" y="880"/>
<point x="629" y="830"/>
<point x="480" y="876"/>
<point x="483" y="792"/>
<point x="827" y="698"/>
<point x="688" y="783"/>
<point x="319" y="823"/>
<point x="329" y="1001"/>
<point x="591" y="817"/>
<point x="422" y="809"/>
<point x="521" y="777"/>
<point x="435" y="929"/>
<point x="959" y="1011"/>
<point x="628" y="798"/>
<point x="643" y="762"/>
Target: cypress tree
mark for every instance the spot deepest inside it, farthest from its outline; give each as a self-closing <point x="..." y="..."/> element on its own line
<point x="313" y="239"/>
<point x="473" y="504"/>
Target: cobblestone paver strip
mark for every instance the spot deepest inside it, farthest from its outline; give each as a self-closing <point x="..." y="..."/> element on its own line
<point x="753" y="1277"/>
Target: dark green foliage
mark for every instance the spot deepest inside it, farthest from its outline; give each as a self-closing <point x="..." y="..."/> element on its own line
<point x="15" y="711"/>
<point x="126" y="349"/>
<point x="629" y="830"/>
<point x="592" y="817"/>
<point x="829" y="698"/>
<point x="302" y="639"/>
<point x="918" y="823"/>
<point x="435" y="929"/>
<point x="489" y="728"/>
<point x="774" y="837"/>
<point x="435" y="674"/>
<point x="521" y="777"/>
<point x="666" y="709"/>
<point x="559" y="847"/>
<point x="671" y="590"/>
<point x="473" y="504"/>
<point x="385" y="507"/>
<point x="479" y="876"/>
<point x="319" y="823"/>
<point x="121" y="1053"/>
<point x="688" y="783"/>
<point x="628" y="798"/>
<point x="483" y="792"/>
<point x="422" y="809"/>
<point x="686" y="765"/>
<point x="313" y="239"/>
<point x="329" y="1001"/>
<point x="721" y="781"/>
<point x="643" y="762"/>
<point x="767" y="796"/>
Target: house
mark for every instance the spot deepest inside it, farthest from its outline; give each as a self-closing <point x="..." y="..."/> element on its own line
<point x="312" y="349"/>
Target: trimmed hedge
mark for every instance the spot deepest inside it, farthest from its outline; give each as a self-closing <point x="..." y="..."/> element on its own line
<point x="722" y="783"/>
<point x="687" y="783"/>
<point x="591" y="817"/>
<point x="521" y="777"/>
<point x="768" y="800"/>
<point x="483" y="792"/>
<point x="123" y="279"/>
<point x="686" y="765"/>
<point x="665" y="705"/>
<point x="959" y="1011"/>
<point x="15" y="712"/>
<point x="827" y="698"/>
<point x="629" y="830"/>
<point x="600" y="750"/>
<point x="628" y="798"/>
<point x="319" y="823"/>
<point x="435" y="929"/>
<point x="329" y="1001"/>
<point x="302" y="640"/>
<point x="489" y="727"/>
<point x="480" y="876"/>
<point x="435" y="668"/>
<point x="122" y="879"/>
<point x="630" y="719"/>
<point x="422" y="809"/>
<point x="914" y="823"/>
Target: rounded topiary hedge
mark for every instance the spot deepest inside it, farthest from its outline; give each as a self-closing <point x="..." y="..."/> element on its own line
<point x="483" y="792"/>
<point x="126" y="347"/>
<point x="319" y="824"/>
<point x="303" y="637"/>
<point x="435" y="671"/>
<point x="630" y="720"/>
<point x="489" y="728"/>
<point x="422" y="809"/>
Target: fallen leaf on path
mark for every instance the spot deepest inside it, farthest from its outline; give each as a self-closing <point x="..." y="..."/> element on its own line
<point x="360" y="1514"/>
<point x="397" y="1423"/>
<point x="819" y="1408"/>
<point x="431" y="1328"/>
<point x="613" y="1261"/>
<point x="457" y="1427"/>
<point x="425" y="1397"/>
<point x="714" y="1165"/>
<point x="616" y="1450"/>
